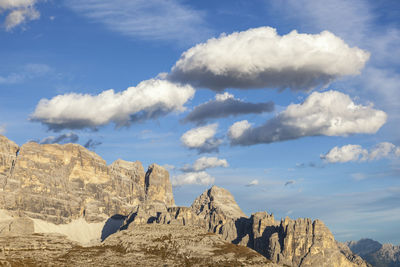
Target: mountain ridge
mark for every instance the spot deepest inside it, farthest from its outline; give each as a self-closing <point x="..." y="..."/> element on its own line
<point x="60" y="187"/>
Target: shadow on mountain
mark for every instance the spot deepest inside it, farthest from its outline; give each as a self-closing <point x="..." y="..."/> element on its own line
<point x="112" y="225"/>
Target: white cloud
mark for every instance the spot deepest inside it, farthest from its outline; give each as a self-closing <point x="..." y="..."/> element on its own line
<point x="198" y="178"/>
<point x="202" y="138"/>
<point x="204" y="163"/>
<point x="329" y="113"/>
<point x="238" y="128"/>
<point x="147" y="19"/>
<point x="149" y="99"/>
<point x="359" y="21"/>
<point x="226" y="105"/>
<point x="20" y="11"/>
<point x="253" y="183"/>
<point x="169" y="167"/>
<point x="259" y="58"/>
<point x="356" y="153"/>
<point x="345" y="154"/>
<point x="27" y="72"/>
<point x="382" y="150"/>
<point x="224" y="96"/>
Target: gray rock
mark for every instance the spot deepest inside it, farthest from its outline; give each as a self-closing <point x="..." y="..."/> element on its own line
<point x="386" y="255"/>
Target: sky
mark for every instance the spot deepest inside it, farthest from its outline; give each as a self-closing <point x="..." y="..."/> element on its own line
<point x="292" y="105"/>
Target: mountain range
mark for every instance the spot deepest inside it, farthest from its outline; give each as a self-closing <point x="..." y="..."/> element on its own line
<point x="63" y="205"/>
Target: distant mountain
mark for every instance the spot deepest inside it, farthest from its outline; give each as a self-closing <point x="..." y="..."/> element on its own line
<point x="386" y="255"/>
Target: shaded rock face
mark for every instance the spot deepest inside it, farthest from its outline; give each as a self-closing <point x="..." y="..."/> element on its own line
<point x="59" y="183"/>
<point x="386" y="255"/>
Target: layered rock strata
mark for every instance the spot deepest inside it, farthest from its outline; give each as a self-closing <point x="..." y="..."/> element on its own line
<point x="60" y="183"/>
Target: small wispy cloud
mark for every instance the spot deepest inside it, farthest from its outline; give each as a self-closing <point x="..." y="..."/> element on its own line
<point x="25" y="73"/>
<point x="147" y="19"/>
<point x="18" y="12"/>
<point x="193" y="178"/>
<point x="253" y="183"/>
<point x="204" y="163"/>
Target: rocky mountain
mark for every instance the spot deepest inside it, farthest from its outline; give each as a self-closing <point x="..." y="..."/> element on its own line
<point x="62" y="203"/>
<point x="60" y="183"/>
<point x="386" y="255"/>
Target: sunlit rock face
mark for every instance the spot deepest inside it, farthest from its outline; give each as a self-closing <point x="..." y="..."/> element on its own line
<point x="59" y="183"/>
<point x="158" y="185"/>
<point x="67" y="189"/>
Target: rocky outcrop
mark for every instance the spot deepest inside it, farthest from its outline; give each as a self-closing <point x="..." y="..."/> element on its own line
<point x="220" y="212"/>
<point x="300" y="242"/>
<point x="386" y="255"/>
<point x="60" y="183"/>
<point x="158" y="185"/>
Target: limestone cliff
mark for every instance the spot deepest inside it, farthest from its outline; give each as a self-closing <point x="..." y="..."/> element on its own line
<point x="158" y="185"/>
<point x="59" y="183"/>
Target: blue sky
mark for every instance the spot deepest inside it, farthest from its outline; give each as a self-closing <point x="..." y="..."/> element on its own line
<point x="300" y="124"/>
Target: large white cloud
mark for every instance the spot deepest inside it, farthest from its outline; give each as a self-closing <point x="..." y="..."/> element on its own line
<point x="20" y="11"/>
<point x="204" y="163"/>
<point x="356" y="153"/>
<point x="149" y="99"/>
<point x="226" y="105"/>
<point x="202" y="138"/>
<point x="197" y="178"/>
<point x="329" y="113"/>
<point x="259" y="58"/>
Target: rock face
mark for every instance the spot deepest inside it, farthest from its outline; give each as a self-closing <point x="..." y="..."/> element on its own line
<point x="219" y="210"/>
<point x="8" y="155"/>
<point x="300" y="242"/>
<point x="59" y="183"/>
<point x="158" y="185"/>
<point x="386" y="255"/>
